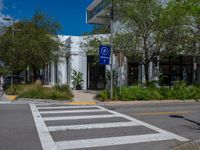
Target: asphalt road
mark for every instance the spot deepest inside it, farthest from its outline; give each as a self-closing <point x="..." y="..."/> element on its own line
<point x="124" y="127"/>
<point x="179" y="118"/>
<point x="17" y="128"/>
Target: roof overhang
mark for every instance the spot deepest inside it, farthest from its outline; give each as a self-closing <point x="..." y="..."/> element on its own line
<point x="94" y="4"/>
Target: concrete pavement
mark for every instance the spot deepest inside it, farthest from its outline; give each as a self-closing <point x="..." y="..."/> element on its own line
<point x="84" y="97"/>
<point x="3" y="98"/>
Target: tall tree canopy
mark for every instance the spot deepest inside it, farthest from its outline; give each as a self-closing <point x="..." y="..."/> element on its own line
<point x="34" y="46"/>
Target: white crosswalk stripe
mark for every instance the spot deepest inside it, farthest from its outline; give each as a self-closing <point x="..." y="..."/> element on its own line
<point x="78" y="117"/>
<point x="71" y="111"/>
<point x="92" y="126"/>
<point x="89" y="113"/>
<point x="65" y="107"/>
<point x="100" y="142"/>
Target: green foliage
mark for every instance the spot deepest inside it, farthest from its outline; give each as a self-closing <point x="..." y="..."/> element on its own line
<point x="179" y="91"/>
<point x="4" y="71"/>
<point x="104" y="95"/>
<point x="90" y="45"/>
<point x="77" y="79"/>
<point x="16" y="90"/>
<point x="108" y="77"/>
<point x="140" y="93"/>
<point x="37" y="91"/>
<point x="98" y="29"/>
<point x="34" y="46"/>
<point x="62" y="88"/>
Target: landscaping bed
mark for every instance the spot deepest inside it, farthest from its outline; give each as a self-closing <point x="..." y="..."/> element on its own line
<point x="180" y="91"/>
<point x="37" y="91"/>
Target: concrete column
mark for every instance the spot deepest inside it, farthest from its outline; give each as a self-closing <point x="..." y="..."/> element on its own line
<point x="141" y="74"/>
<point x="194" y="77"/>
<point x="151" y="71"/>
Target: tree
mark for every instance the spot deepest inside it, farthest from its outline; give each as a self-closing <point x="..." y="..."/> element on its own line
<point x="192" y="44"/>
<point x="91" y="43"/>
<point x="192" y="11"/>
<point x="98" y="29"/>
<point x="148" y="24"/>
<point x="177" y="32"/>
<point x="35" y="46"/>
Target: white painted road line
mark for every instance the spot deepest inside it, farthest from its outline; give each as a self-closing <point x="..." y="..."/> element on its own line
<point x="65" y="107"/>
<point x="92" y="126"/>
<point x="170" y="134"/>
<point x="71" y="111"/>
<point x="44" y="135"/>
<point x="78" y="117"/>
<point x="111" y="141"/>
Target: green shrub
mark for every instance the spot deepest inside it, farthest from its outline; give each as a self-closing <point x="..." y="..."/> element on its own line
<point x="104" y="95"/>
<point x="179" y="91"/>
<point x="62" y="87"/>
<point x="37" y="91"/>
<point x="15" y="90"/>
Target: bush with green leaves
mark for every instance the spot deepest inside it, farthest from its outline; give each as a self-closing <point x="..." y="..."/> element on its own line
<point x="180" y="91"/>
<point x="37" y="91"/>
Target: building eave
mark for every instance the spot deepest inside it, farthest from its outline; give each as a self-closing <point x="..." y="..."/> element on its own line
<point x="94" y="4"/>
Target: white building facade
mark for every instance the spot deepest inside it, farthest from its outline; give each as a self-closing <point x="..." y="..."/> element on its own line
<point x="93" y="74"/>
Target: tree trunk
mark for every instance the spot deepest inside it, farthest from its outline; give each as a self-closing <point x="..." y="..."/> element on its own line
<point x="146" y="66"/>
<point x="146" y="60"/>
<point x="35" y="74"/>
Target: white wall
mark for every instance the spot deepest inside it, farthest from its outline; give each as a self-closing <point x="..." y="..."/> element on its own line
<point x="77" y="60"/>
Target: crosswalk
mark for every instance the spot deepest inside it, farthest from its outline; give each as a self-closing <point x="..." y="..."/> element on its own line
<point x="62" y="127"/>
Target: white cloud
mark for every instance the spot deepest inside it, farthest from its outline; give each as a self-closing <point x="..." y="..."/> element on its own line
<point x="3" y="22"/>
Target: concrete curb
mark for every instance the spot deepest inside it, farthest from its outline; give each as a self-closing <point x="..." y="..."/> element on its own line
<point x="145" y="102"/>
<point x="66" y="102"/>
<point x="43" y="100"/>
<point x="82" y="103"/>
<point x="11" y="97"/>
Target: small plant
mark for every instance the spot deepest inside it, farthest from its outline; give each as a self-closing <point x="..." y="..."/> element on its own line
<point x="77" y="80"/>
<point x="104" y="95"/>
<point x="108" y="78"/>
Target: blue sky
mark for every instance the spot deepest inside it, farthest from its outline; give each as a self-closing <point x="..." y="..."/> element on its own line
<point x="69" y="13"/>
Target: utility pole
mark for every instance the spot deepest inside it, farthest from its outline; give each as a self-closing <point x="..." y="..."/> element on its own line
<point x="111" y="43"/>
<point x="13" y="36"/>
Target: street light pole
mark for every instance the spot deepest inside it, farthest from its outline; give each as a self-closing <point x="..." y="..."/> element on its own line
<point x="111" y="43"/>
<point x="13" y="36"/>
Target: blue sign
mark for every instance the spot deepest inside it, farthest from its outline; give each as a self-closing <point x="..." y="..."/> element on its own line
<point x="104" y="55"/>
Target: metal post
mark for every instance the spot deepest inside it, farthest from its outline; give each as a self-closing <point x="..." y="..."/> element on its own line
<point x="111" y="43"/>
<point x="13" y="36"/>
<point x="120" y="66"/>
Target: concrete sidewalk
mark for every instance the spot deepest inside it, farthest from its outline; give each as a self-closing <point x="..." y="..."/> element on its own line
<point x="84" y="97"/>
<point x="2" y="97"/>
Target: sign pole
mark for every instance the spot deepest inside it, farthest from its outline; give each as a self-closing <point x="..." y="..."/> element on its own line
<point x="111" y="53"/>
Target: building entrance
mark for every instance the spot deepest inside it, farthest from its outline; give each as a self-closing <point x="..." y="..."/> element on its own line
<point x="95" y="74"/>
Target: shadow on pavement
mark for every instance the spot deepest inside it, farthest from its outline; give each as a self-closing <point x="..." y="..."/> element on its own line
<point x="182" y="117"/>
